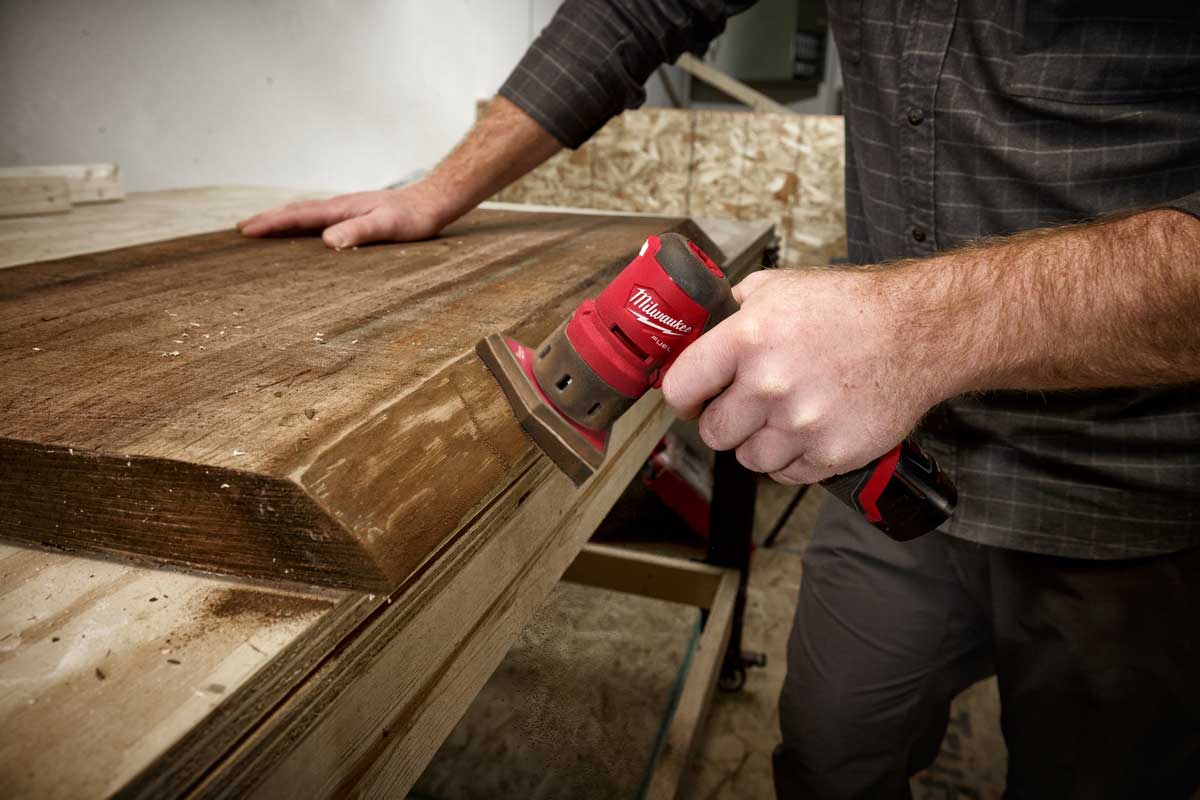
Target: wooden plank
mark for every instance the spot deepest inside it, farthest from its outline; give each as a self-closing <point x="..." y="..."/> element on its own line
<point x="316" y="408"/>
<point x="371" y="719"/>
<point x="692" y="708"/>
<point x="86" y="183"/>
<point x="171" y="723"/>
<point x="621" y="569"/>
<point x="730" y="85"/>
<point x="238" y="647"/>
<point x="142" y="217"/>
<point x="22" y="196"/>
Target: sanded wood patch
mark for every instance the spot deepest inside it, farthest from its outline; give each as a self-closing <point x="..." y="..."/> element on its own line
<point x="273" y="409"/>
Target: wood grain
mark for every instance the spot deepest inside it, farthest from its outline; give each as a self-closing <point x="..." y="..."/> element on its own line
<point x="275" y="410"/>
<point x="139" y="218"/>
<point x="25" y="195"/>
<point x="86" y="183"/>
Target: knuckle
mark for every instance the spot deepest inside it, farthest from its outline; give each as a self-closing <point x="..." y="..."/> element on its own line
<point x="770" y="386"/>
<point x="801" y="417"/>
<point x="749" y="332"/>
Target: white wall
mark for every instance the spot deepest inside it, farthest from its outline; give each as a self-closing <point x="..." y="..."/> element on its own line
<point x="323" y="94"/>
<point x="334" y="95"/>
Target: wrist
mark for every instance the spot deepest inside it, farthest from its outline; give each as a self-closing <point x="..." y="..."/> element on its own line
<point x="945" y="324"/>
<point x="434" y="201"/>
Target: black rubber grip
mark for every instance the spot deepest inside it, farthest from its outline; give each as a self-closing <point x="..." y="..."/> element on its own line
<point x="710" y="290"/>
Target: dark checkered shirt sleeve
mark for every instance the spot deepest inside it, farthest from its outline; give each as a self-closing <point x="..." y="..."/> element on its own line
<point x="592" y="60"/>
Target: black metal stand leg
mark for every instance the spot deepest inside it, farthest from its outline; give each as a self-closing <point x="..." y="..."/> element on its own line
<point x="730" y="544"/>
<point x="784" y="517"/>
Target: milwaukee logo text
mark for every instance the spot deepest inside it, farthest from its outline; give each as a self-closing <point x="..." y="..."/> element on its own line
<point x="645" y="308"/>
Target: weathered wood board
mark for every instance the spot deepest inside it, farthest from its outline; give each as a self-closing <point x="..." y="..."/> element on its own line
<point x="275" y="410"/>
<point x="194" y="665"/>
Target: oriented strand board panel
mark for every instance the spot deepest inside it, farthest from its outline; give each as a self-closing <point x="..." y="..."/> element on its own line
<point x="640" y="163"/>
<point x="274" y="409"/>
<point x="785" y="168"/>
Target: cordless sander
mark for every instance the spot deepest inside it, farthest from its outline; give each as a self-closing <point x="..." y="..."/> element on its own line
<point x="569" y="390"/>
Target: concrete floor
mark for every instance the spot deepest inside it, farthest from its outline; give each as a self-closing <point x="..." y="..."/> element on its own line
<point x="575" y="708"/>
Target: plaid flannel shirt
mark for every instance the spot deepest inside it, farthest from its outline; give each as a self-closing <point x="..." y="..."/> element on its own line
<point x="965" y="119"/>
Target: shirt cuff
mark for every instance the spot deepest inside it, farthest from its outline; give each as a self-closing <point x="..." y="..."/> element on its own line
<point x="1189" y="204"/>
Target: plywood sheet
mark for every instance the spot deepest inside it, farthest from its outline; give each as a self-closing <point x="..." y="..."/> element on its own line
<point x="274" y="409"/>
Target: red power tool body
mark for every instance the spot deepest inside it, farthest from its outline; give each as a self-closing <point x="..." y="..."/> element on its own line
<point x="569" y="390"/>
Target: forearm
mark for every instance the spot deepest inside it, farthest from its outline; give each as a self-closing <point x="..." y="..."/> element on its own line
<point x="502" y="146"/>
<point x="1111" y="303"/>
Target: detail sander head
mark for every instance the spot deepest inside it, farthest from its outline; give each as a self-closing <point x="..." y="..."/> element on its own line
<point x="569" y="390"/>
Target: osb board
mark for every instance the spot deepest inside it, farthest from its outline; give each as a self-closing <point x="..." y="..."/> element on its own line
<point x="273" y="409"/>
<point x="786" y="168"/>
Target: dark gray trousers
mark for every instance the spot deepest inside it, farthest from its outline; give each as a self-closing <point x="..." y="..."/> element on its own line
<point x="1098" y="664"/>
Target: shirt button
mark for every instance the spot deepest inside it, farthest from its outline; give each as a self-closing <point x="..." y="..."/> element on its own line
<point x="915" y="116"/>
<point x="918" y="233"/>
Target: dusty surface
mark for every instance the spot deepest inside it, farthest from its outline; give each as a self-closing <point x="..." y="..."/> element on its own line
<point x="103" y="665"/>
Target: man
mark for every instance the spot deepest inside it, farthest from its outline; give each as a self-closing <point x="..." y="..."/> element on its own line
<point x="1051" y="372"/>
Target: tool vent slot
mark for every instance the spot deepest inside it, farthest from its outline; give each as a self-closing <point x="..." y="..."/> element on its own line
<point x="625" y="340"/>
<point x="563" y="382"/>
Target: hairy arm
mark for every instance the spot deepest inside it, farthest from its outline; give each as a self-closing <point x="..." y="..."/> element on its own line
<point x="1114" y="303"/>
<point x="501" y="147"/>
<point x="822" y="370"/>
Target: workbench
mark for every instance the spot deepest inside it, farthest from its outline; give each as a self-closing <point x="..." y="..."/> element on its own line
<point x="136" y="681"/>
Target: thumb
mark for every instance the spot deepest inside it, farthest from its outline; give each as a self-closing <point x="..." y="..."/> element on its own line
<point x="373" y="226"/>
<point x="751" y="284"/>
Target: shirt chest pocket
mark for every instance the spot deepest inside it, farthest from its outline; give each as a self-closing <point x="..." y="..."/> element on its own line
<point x="1075" y="51"/>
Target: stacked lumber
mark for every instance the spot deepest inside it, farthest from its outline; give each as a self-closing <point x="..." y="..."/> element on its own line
<point x="54" y="189"/>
